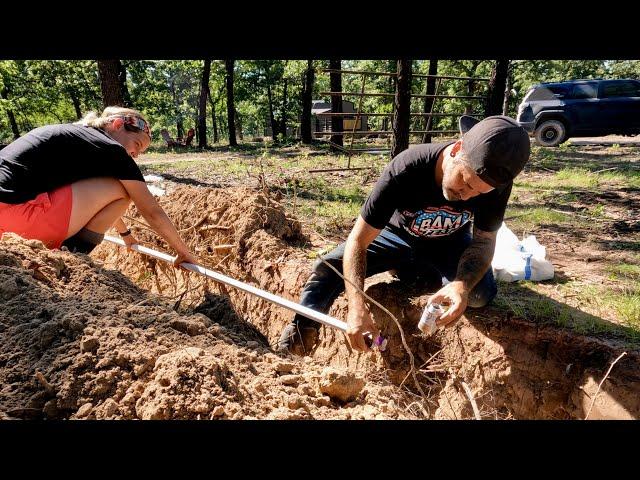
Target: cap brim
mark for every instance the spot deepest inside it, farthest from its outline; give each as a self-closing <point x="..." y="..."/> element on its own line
<point x="465" y="122"/>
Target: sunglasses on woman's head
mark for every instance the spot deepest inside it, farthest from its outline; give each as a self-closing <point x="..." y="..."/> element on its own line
<point x="134" y="124"/>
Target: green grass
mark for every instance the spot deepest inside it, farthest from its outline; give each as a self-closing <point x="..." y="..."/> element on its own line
<point x="624" y="271"/>
<point x="583" y="179"/>
<point x="524" y="301"/>
<point x="575" y="178"/>
<point x="170" y="166"/>
<point x="532" y="307"/>
<point x="623" y="245"/>
<point x="319" y="188"/>
<point x="331" y="215"/>
<point x="528" y="218"/>
<point x="627" y="306"/>
<point x="629" y="178"/>
<point x="596" y="211"/>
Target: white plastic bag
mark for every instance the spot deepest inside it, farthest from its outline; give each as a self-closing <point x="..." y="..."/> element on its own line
<point x="155" y="190"/>
<point x="515" y="260"/>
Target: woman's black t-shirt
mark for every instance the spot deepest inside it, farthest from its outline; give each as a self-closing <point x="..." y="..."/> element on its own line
<point x="55" y="155"/>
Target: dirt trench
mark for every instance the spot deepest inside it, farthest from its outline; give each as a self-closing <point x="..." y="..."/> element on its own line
<point x="121" y="335"/>
<point x="515" y="368"/>
<point x="78" y="341"/>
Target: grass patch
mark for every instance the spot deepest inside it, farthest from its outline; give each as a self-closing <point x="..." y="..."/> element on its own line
<point x="319" y="188"/>
<point x="575" y="178"/>
<point x="622" y="245"/>
<point x="528" y="218"/>
<point x="596" y="211"/>
<point x="627" y="306"/>
<point x="523" y="301"/>
<point x="168" y="167"/>
<point x="628" y="178"/>
<point x="583" y="179"/>
<point x="624" y="271"/>
<point x="327" y="216"/>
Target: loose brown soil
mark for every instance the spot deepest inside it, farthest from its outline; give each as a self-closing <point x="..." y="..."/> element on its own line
<point x="80" y="339"/>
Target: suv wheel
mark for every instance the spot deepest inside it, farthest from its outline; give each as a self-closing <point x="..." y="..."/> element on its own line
<point x="550" y="133"/>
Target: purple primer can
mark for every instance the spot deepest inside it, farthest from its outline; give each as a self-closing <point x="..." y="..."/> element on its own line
<point x="427" y="323"/>
<point x="379" y="342"/>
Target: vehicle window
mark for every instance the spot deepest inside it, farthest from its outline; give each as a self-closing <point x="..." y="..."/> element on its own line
<point x="540" y="93"/>
<point x="558" y="90"/>
<point x="584" y="90"/>
<point x="620" y="89"/>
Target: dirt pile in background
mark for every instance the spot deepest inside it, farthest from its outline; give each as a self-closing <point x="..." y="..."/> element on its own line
<point x="80" y="341"/>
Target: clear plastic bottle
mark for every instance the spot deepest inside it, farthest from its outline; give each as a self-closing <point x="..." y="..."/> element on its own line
<point x="431" y="313"/>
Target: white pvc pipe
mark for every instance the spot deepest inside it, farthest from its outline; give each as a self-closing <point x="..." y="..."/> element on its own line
<point x="283" y="302"/>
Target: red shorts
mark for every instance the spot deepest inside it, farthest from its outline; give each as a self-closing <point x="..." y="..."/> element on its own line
<point x="44" y="218"/>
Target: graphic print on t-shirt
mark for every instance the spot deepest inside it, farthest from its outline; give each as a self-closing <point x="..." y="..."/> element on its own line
<point x="435" y="221"/>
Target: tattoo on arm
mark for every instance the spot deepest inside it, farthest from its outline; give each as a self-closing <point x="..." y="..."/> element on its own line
<point x="355" y="266"/>
<point x="476" y="259"/>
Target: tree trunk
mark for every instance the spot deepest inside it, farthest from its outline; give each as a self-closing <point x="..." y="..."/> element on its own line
<point x="12" y="118"/>
<point x="179" y="126"/>
<point x="230" y="103"/>
<point x="283" y="114"/>
<point x="391" y="88"/>
<point x="428" y="102"/>
<point x="238" y="124"/>
<point x="401" y="117"/>
<point x="215" y="126"/>
<point x="109" y="72"/>
<point x="335" y="79"/>
<point x="497" y="84"/>
<point x="76" y="102"/>
<point x="202" y="108"/>
<point x="507" y="91"/>
<point x="307" y="102"/>
<point x="122" y="76"/>
<point x="213" y="116"/>
<point x="471" y="86"/>
<point x="272" y="118"/>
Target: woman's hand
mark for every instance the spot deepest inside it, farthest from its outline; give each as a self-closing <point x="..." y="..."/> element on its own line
<point x="130" y="240"/>
<point x="183" y="257"/>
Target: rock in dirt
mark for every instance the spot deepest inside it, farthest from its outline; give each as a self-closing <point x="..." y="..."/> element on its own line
<point x="84" y="411"/>
<point x="285" y="367"/>
<point x="290" y="379"/>
<point x="89" y="344"/>
<point x="342" y="386"/>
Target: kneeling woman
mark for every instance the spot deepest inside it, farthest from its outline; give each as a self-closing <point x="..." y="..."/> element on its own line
<point x="68" y="184"/>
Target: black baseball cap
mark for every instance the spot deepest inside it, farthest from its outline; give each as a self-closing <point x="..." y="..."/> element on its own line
<point x="496" y="147"/>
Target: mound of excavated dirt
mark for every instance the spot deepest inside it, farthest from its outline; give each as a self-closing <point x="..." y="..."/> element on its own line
<point x="80" y="341"/>
<point x="261" y="246"/>
<point x="240" y="232"/>
<point x="513" y="368"/>
<point x="121" y="335"/>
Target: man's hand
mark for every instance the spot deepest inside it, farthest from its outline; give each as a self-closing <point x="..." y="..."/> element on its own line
<point x="456" y="297"/>
<point x="359" y="322"/>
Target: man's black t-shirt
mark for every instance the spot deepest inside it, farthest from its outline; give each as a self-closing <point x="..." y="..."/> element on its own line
<point x="408" y="199"/>
<point x="55" y="155"/>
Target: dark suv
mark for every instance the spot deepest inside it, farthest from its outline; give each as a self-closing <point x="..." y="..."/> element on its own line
<point x="553" y="112"/>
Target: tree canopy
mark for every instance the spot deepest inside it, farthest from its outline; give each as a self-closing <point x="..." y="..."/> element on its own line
<point x="267" y="93"/>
